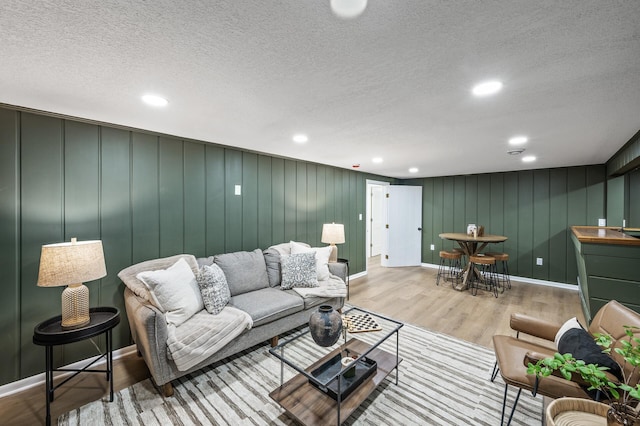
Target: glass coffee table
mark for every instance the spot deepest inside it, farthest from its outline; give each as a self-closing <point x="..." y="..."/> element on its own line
<point x="324" y="391"/>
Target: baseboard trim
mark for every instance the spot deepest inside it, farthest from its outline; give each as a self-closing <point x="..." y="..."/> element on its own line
<point x="573" y="287"/>
<point x="39" y="379"/>
<point x="358" y="275"/>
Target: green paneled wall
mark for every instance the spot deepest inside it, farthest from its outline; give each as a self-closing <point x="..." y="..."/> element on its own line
<point x="144" y="196"/>
<point x="533" y="208"/>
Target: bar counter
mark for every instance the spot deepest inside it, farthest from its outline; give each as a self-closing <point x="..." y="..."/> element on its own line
<point x="606" y="235"/>
<point x="608" y="263"/>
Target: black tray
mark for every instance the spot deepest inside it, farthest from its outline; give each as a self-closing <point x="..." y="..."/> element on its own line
<point x="365" y="367"/>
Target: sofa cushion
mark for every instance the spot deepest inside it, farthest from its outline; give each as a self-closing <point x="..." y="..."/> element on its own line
<point x="299" y="270"/>
<point x="214" y="288"/>
<point x="322" y="257"/>
<point x="267" y="304"/>
<point x="272" y="260"/>
<point x="310" y="302"/>
<point x="245" y="271"/>
<point x="175" y="291"/>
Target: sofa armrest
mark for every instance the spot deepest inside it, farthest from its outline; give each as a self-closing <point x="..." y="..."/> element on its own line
<point x="534" y="326"/>
<point x="338" y="269"/>
<point x="149" y="332"/>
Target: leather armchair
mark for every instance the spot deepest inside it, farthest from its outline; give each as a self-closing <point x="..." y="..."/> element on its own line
<point x="513" y="354"/>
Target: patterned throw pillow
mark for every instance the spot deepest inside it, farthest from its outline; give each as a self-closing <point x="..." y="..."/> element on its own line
<point x="214" y="288"/>
<point x="299" y="270"/>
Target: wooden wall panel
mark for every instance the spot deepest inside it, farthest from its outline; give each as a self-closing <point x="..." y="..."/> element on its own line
<point x="541" y="224"/>
<point x="278" y="201"/>
<point x="171" y="196"/>
<point x="559" y="251"/>
<point x="81" y="196"/>
<point x="215" y="203"/>
<point x="115" y="222"/>
<point x="145" y="198"/>
<point x="249" y="201"/>
<point x="265" y="202"/>
<point x="10" y="244"/>
<point x="301" y="208"/>
<point x="232" y="202"/>
<point x="42" y="206"/>
<point x="195" y="196"/>
<point x="632" y="200"/>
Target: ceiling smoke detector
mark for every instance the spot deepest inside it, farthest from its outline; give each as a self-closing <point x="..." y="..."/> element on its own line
<point x="517" y="151"/>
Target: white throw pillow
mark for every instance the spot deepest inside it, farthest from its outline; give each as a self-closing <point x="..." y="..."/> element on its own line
<point x="175" y="291"/>
<point x="322" y="258"/>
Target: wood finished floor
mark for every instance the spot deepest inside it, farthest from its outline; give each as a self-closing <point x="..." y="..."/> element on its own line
<point x="408" y="294"/>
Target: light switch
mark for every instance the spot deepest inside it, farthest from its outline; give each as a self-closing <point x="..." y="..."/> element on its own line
<point x="360" y="216"/>
<point x="539" y="261"/>
<point x="238" y="190"/>
<point x="433" y="246"/>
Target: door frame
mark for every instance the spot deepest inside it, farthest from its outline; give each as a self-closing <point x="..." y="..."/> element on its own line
<point x="369" y="184"/>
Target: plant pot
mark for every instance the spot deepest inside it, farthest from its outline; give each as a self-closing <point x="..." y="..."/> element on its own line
<point x="325" y="325"/>
<point x="622" y="414"/>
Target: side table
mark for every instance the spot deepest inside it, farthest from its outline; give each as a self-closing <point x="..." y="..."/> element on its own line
<point x="346" y="261"/>
<point x="50" y="333"/>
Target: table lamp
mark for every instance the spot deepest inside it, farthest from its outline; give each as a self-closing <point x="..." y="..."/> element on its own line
<point x="71" y="264"/>
<point x="332" y="234"/>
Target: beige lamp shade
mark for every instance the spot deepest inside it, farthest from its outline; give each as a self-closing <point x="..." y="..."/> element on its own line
<point x="332" y="234"/>
<point x="71" y="264"/>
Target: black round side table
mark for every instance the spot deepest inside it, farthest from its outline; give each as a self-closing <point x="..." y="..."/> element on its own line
<point x="50" y="333"/>
<point x="346" y="261"/>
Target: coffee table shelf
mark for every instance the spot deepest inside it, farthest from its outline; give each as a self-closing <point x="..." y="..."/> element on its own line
<point x="309" y="405"/>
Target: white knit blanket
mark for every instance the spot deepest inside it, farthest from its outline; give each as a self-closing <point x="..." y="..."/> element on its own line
<point x="204" y="334"/>
<point x="332" y="287"/>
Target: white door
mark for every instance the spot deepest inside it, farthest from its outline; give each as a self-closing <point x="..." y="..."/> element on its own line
<point x="403" y="242"/>
<point x="377" y="219"/>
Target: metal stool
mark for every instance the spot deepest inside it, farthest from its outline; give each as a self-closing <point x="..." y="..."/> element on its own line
<point x="487" y="267"/>
<point x="449" y="268"/>
<point x="503" y="273"/>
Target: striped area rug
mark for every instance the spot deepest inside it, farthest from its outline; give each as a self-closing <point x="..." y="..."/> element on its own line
<point x="443" y="381"/>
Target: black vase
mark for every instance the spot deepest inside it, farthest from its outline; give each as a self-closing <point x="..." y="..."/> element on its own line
<point x="325" y="325"/>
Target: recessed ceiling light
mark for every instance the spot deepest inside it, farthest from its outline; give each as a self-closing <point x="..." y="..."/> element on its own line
<point x="487" y="88"/>
<point x="347" y="9"/>
<point x="413" y="170"/>
<point x="377" y="160"/>
<point x="300" y="138"/>
<point x="155" y="100"/>
<point x="528" y="159"/>
<point x="518" y="140"/>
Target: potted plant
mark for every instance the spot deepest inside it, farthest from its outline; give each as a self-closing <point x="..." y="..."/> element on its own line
<point x="619" y="394"/>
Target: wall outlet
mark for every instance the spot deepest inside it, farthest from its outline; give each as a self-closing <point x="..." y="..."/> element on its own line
<point x="238" y="190"/>
<point x="624" y="223"/>
<point x="539" y="261"/>
<point x="433" y="246"/>
<point x="602" y="222"/>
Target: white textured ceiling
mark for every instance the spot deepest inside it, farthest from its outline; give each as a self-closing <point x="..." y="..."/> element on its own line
<point x="394" y="82"/>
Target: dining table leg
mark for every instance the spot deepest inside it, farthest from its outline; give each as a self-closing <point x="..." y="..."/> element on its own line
<point x="470" y="248"/>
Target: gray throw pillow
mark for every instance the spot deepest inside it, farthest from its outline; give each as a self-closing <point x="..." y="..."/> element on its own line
<point x="214" y="288"/>
<point x="272" y="260"/>
<point x="245" y="270"/>
<point x="299" y="270"/>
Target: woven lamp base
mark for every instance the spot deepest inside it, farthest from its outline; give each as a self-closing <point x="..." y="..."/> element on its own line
<point x="75" y="306"/>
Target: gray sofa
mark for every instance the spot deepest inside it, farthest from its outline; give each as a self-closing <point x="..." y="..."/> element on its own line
<point x="254" y="283"/>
